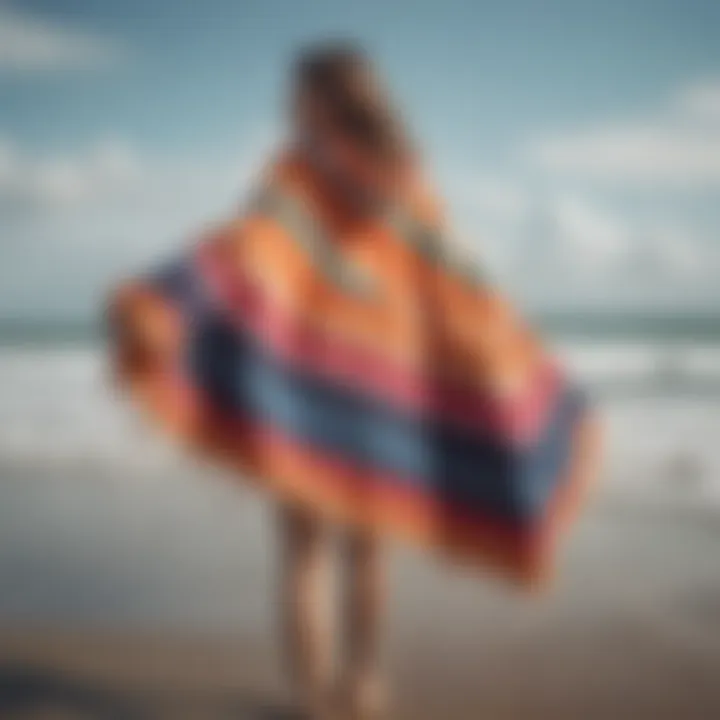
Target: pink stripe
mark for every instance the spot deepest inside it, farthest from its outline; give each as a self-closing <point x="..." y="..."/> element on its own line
<point x="519" y="418"/>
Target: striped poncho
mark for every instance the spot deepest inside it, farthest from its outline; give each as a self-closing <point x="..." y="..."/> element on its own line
<point x="360" y="369"/>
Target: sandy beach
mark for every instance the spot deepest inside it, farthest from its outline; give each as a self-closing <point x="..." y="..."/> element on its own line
<point x="153" y="597"/>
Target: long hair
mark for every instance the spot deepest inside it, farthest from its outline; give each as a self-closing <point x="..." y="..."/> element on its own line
<point x="342" y="79"/>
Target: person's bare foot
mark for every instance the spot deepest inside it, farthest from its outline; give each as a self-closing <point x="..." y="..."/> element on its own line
<point x="362" y="698"/>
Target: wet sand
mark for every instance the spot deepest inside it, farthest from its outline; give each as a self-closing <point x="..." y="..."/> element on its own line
<point x="155" y="599"/>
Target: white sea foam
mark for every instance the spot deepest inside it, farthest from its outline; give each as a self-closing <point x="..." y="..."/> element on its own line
<point x="57" y="405"/>
<point x="648" y="364"/>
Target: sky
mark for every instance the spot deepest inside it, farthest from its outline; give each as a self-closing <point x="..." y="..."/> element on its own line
<point x="576" y="143"/>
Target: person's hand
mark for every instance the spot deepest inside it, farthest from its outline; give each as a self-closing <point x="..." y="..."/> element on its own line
<point x="147" y="344"/>
<point x="146" y="333"/>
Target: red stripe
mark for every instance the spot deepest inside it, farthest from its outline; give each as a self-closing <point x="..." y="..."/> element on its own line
<point x="519" y="418"/>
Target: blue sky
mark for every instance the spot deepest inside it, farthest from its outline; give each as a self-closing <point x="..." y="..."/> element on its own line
<point x="577" y="143"/>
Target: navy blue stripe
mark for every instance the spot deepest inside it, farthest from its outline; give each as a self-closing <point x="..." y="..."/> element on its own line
<point x="510" y="482"/>
<point x="179" y="281"/>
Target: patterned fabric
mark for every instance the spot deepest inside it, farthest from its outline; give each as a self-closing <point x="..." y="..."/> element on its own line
<point x="364" y="370"/>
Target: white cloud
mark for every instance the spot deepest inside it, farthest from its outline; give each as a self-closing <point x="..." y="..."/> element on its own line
<point x="591" y="235"/>
<point x="562" y="238"/>
<point x="645" y="156"/>
<point x="499" y="198"/>
<point x="571" y="247"/>
<point x="678" y="147"/>
<point x="107" y="167"/>
<point x="701" y="100"/>
<point x="112" y="172"/>
<point x="673" y="253"/>
<point x="72" y="223"/>
<point x="7" y="161"/>
<point x="486" y="212"/>
<point x="30" y="44"/>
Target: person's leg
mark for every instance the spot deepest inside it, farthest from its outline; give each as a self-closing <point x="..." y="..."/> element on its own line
<point x="364" y="608"/>
<point x="305" y="608"/>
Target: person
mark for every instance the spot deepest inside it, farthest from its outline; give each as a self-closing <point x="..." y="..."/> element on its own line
<point x="334" y="345"/>
<point x="346" y="128"/>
